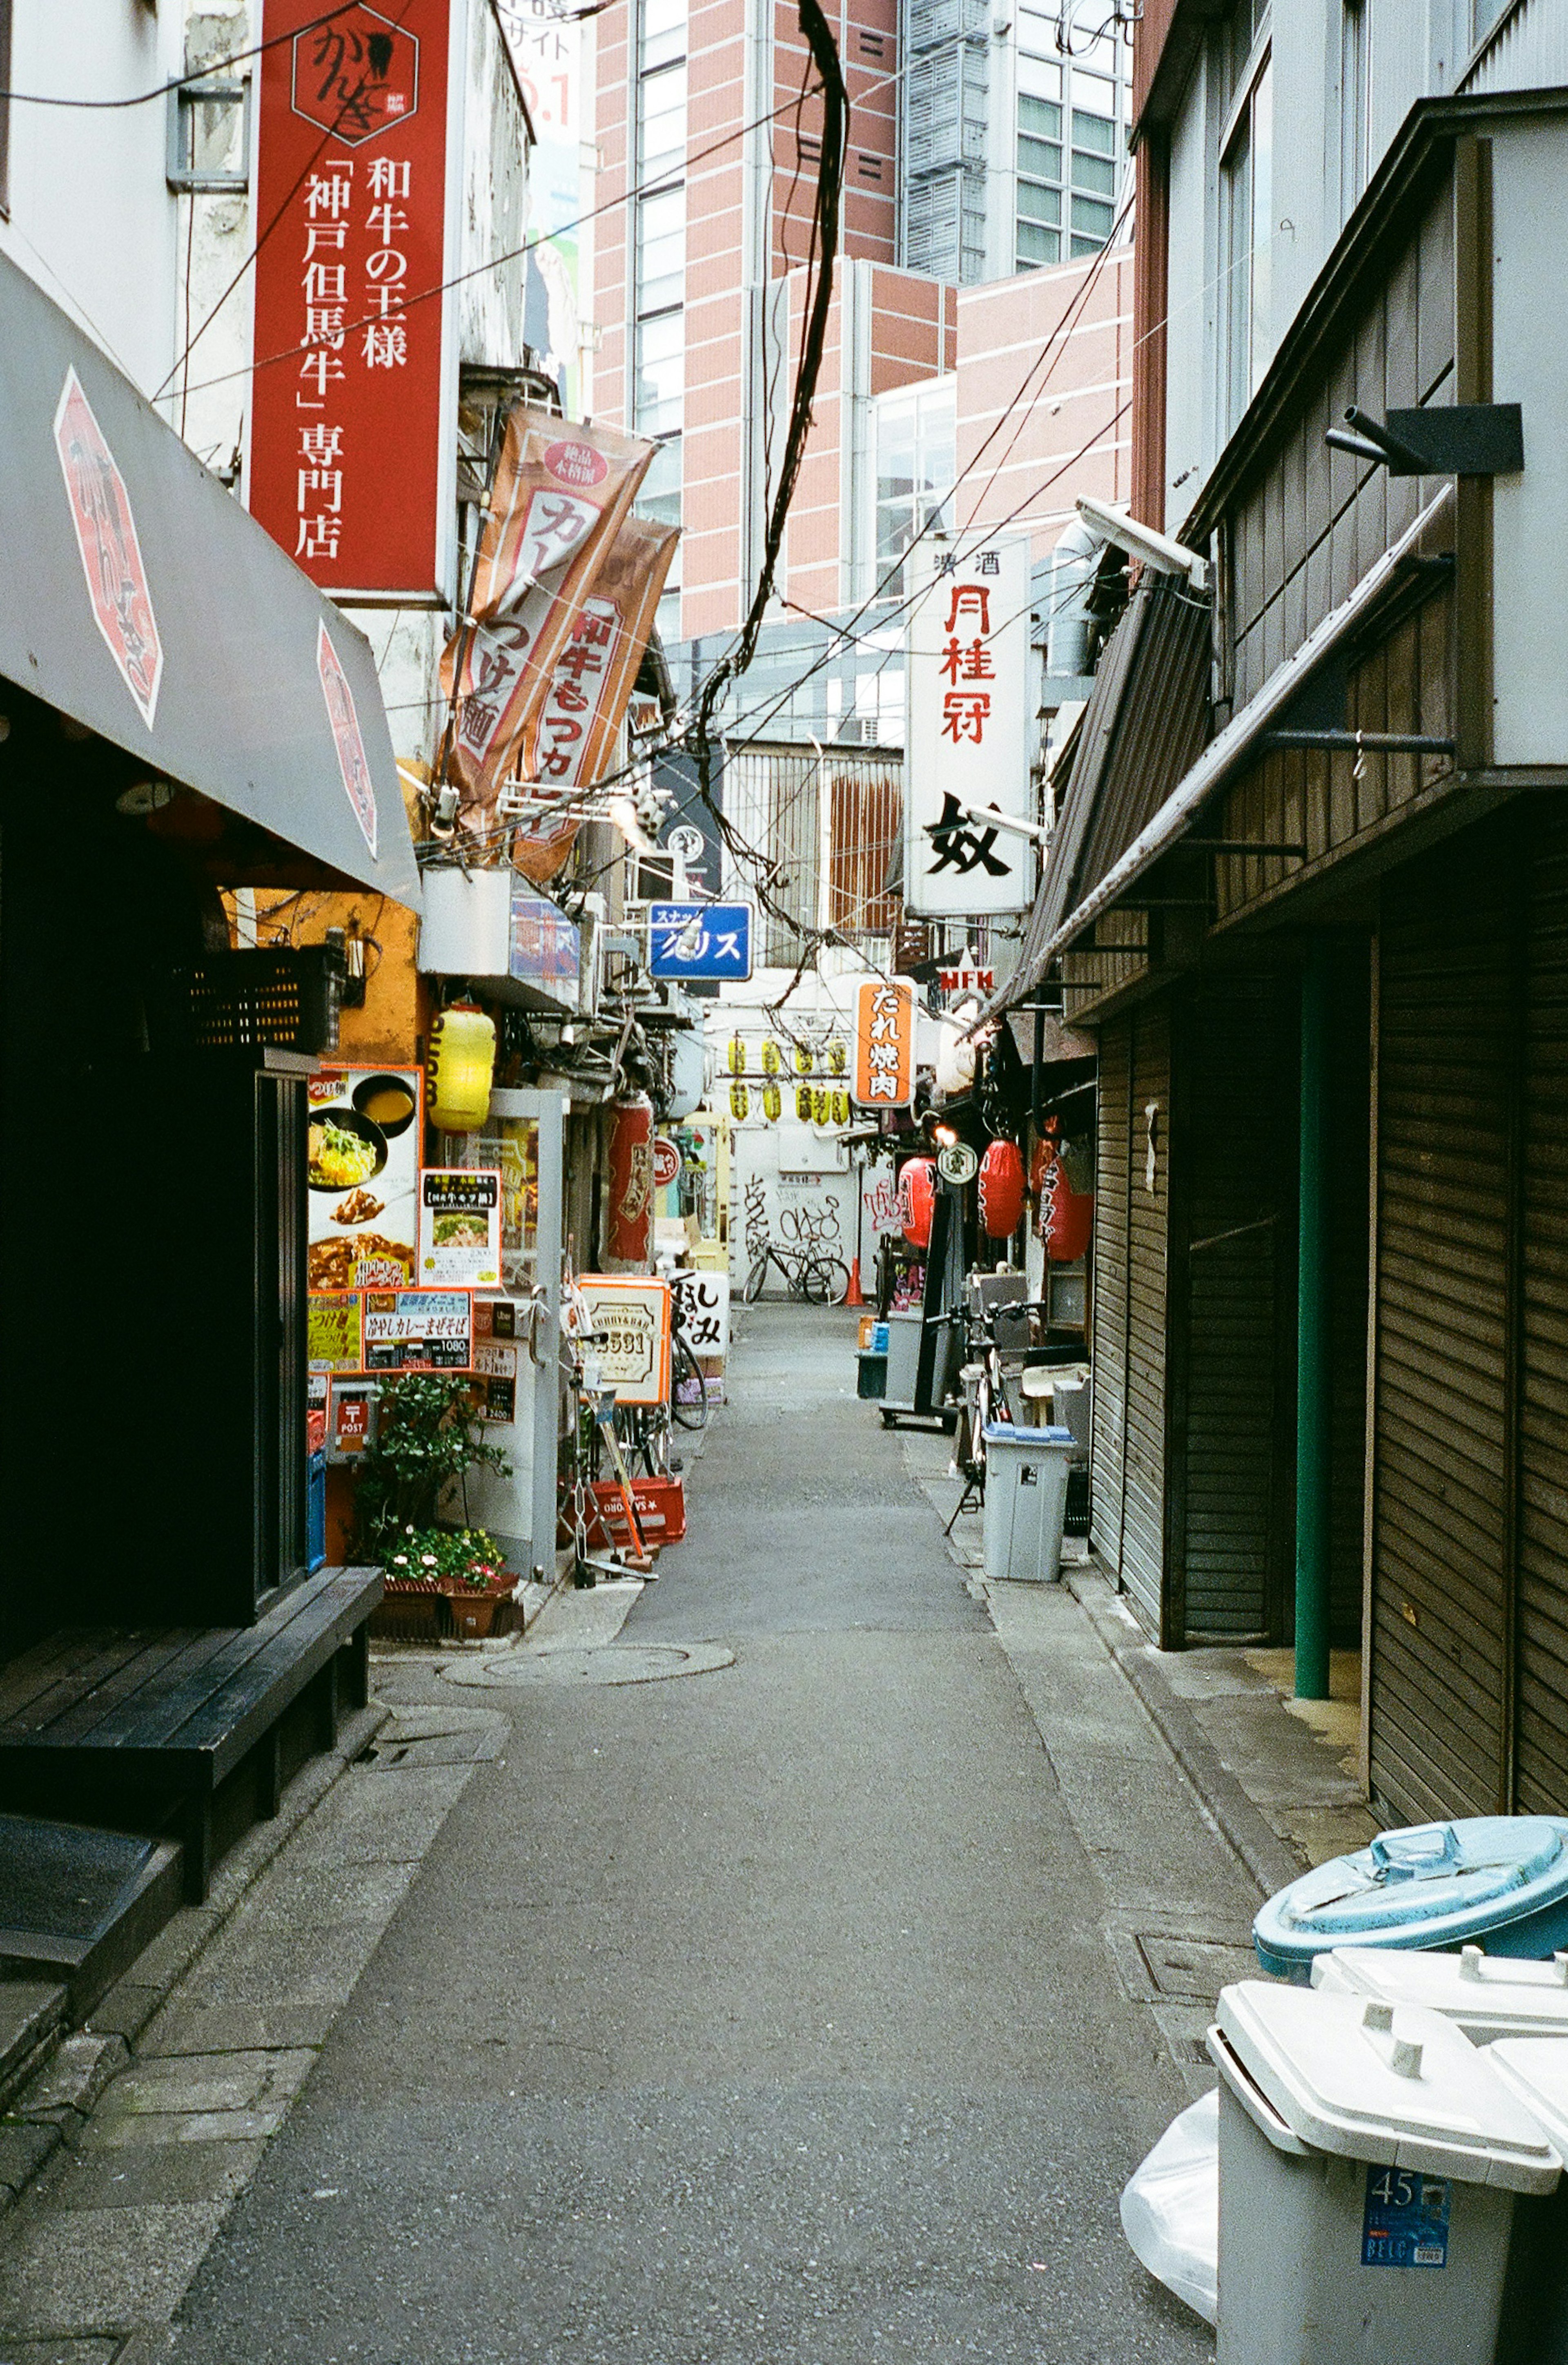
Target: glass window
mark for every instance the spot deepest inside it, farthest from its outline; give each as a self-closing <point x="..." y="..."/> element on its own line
<point x="914" y="470"/>
<point x="660" y="495"/>
<point x="662" y="108"/>
<point x="1037" y="246"/>
<point x="1041" y="158"/>
<point x="1094" y="172"/>
<point x="661" y="251"/>
<point x="1094" y="131"/>
<point x="1036" y="204"/>
<point x="1248" y="241"/>
<point x="1039" y="119"/>
<point x="661" y="373"/>
<point x="663" y="32"/>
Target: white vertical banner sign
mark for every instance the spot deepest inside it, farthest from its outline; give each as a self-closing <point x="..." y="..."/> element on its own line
<point x="967" y="734"/>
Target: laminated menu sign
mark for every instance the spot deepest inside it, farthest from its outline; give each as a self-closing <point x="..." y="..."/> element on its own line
<point x="631" y="1320"/>
<point x="460" y="1226"/>
<point x="361" y="1167"/>
<point x="333" y="1331"/>
<point x="494" y="1395"/>
<point x="419" y="1330"/>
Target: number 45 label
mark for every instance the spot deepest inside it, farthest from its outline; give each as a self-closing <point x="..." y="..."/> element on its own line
<point x="1405" y="2220"/>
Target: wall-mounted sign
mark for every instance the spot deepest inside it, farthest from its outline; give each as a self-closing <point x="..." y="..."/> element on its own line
<point x="495" y="1384"/>
<point x="702" y="1310"/>
<point x="884" y="1044"/>
<point x="702" y="940"/>
<point x="419" y="1330"/>
<point x="347" y="389"/>
<point x="111" y="554"/>
<point x="460" y="1226"/>
<point x="361" y="1167"/>
<point x="958" y="1164"/>
<point x="969" y="730"/>
<point x="667" y="1162"/>
<point x="545" y="947"/>
<point x="334" y="1332"/>
<point x="633" y="1316"/>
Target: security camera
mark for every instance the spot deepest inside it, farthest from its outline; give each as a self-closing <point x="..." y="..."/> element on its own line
<point x="1155" y="550"/>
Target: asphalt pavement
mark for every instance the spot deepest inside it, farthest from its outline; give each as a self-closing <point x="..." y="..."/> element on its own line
<point x="765" y="2016"/>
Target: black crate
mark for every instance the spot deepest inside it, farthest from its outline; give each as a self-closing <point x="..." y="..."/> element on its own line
<point x="290" y="1000"/>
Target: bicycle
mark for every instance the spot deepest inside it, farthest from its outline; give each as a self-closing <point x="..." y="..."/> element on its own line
<point x="686" y="1371"/>
<point x="807" y="1274"/>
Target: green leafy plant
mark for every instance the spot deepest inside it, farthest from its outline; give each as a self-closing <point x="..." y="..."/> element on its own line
<point x="428" y="1439"/>
<point x="455" y="1559"/>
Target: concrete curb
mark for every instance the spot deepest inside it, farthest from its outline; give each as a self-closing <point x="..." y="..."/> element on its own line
<point x="57" y="2096"/>
<point x="1270" y="1862"/>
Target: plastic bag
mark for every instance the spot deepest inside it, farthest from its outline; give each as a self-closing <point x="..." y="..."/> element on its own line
<point x="1170" y="2208"/>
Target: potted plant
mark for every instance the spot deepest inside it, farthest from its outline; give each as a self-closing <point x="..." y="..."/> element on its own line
<point x="428" y="1439"/>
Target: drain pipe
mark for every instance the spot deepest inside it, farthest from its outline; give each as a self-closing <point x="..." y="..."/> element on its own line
<point x="1313" y="1465"/>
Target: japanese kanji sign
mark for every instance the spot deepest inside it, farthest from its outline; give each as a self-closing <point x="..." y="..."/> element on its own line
<point x="111" y="555"/>
<point x="884" y="1044"/>
<point x="967" y="730"/>
<point x="352" y="761"/>
<point x="700" y="940"/>
<point x="348" y="431"/>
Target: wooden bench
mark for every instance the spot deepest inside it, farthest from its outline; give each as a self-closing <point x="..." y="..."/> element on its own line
<point x="94" y="1718"/>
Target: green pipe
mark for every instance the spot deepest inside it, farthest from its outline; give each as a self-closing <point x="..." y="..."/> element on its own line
<point x="1313" y="1465"/>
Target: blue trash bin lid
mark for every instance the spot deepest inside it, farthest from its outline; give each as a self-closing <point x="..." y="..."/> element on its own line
<point x="1007" y="1433"/>
<point x="1427" y="1885"/>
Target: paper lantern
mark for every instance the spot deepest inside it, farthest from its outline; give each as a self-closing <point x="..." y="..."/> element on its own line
<point x="917" y="1200"/>
<point x="1065" y="1217"/>
<point x="771" y="1062"/>
<point x="1002" y="1190"/>
<point x="841" y="1107"/>
<point x="802" y="1058"/>
<point x="631" y="1229"/>
<point x="837" y="1056"/>
<point x="822" y="1104"/>
<point x="736" y="1056"/>
<point x="803" y="1103"/>
<point x="460" y="1068"/>
<point x="740" y="1102"/>
<point x="772" y="1101"/>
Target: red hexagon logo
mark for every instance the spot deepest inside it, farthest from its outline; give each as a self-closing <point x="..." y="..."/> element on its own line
<point x="357" y="76"/>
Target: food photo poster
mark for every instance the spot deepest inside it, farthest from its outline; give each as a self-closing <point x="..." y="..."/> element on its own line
<point x="363" y="1170"/>
<point x="460" y="1226"/>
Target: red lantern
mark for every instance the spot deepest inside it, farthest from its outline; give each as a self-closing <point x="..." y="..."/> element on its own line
<point x="1066" y="1217"/>
<point x="1002" y="1190"/>
<point x="917" y="1200"/>
<point x="630" y="1231"/>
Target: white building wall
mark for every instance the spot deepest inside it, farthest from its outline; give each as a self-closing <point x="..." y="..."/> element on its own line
<point x="92" y="219"/>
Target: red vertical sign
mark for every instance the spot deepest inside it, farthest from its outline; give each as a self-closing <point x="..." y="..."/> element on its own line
<point x="346" y="420"/>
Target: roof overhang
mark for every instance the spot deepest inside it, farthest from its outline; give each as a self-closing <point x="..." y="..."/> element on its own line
<point x="204" y="653"/>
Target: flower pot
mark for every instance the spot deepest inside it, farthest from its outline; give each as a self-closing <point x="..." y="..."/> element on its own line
<point x="473" y="1613"/>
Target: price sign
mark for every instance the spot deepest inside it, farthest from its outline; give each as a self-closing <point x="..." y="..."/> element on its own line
<point x="419" y="1330"/>
<point x="333" y="1331"/>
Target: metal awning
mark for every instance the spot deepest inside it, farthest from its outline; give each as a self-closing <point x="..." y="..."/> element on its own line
<point x="141" y="601"/>
<point x="1240" y="736"/>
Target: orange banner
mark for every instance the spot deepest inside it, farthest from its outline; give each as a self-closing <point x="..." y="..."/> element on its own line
<point x="884" y="1044"/>
<point x="560" y="494"/>
<point x="578" y="722"/>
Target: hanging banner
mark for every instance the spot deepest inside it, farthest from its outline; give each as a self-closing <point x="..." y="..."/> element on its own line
<point x="884" y="1044"/>
<point x="352" y="184"/>
<point x="557" y="504"/>
<point x="579" y="720"/>
<point x="968" y="731"/>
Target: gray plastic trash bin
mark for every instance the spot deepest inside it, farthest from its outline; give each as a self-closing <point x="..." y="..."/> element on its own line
<point x="1535" y="2304"/>
<point x="1369" y="2161"/>
<point x="1026" y="1501"/>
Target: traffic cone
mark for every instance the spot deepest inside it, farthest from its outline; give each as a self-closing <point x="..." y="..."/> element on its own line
<point x="855" y="1297"/>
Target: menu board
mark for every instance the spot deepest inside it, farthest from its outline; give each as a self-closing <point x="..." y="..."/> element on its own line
<point x="419" y="1330"/>
<point x="333" y="1331"/>
<point x="460" y="1226"/>
<point x="362" y="1172"/>
<point x="631" y="1318"/>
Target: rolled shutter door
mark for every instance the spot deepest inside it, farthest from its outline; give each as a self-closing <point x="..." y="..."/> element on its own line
<point x="1143" y="1495"/>
<point x="1109" y="1331"/>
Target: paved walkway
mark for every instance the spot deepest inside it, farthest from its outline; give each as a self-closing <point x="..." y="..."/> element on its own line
<point x="804" y="2012"/>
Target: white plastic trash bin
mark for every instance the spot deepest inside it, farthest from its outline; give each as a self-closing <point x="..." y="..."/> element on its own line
<point x="1369" y="2162"/>
<point x="1535" y="2302"/>
<point x="1026" y="1501"/>
<point x="1485" y="1995"/>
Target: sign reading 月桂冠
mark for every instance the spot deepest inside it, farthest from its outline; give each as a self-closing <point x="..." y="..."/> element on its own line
<point x="967" y="736"/>
<point x="347" y="432"/>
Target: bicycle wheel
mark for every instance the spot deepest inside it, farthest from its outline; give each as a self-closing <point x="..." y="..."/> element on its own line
<point x="757" y="1276"/>
<point x="814" y="1282"/>
<point x="835" y="1280"/>
<point x="686" y="1371"/>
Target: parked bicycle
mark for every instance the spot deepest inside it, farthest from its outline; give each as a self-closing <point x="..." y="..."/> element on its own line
<point x="806" y="1273"/>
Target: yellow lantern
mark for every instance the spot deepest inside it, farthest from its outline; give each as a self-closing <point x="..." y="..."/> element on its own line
<point x="837" y="1057"/>
<point x="771" y="1063"/>
<point x="772" y="1101"/>
<point x="737" y="1056"/>
<point x="841" y="1109"/>
<point x="740" y="1102"/>
<point x="803" y="1103"/>
<point x="802" y="1058"/>
<point x="461" y="1069"/>
<point x="821" y="1104"/>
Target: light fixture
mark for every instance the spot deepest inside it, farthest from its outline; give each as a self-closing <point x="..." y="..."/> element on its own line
<point x="144" y="797"/>
<point x="1155" y="550"/>
<point x="462" y="1064"/>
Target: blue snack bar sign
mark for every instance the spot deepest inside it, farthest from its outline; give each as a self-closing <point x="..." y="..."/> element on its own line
<point x="1405" y="2220"/>
<point x="700" y="940"/>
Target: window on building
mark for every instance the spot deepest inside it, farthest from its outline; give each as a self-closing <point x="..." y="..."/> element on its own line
<point x="1355" y="101"/>
<point x="1483" y="15"/>
<point x="1247" y="183"/>
<point x="1071" y="143"/>
<point x="5" y="107"/>
<point x="914" y="439"/>
<point x="658" y="277"/>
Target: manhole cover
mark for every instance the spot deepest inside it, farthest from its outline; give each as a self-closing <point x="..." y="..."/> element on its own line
<point x="568" y="1663"/>
<point x="413" y="1737"/>
<point x="1193" y="1969"/>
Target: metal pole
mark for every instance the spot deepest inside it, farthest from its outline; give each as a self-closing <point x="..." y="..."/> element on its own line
<point x="1314" y="1466"/>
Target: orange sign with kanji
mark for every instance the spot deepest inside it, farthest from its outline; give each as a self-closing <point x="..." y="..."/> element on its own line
<point x="884" y="1044"/>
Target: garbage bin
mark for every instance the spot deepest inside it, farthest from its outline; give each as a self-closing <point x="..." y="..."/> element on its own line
<point x="1499" y="1878"/>
<point x="1535" y="2299"/>
<point x="1487" y="1996"/>
<point x="1370" y="2158"/>
<point x="1026" y="1501"/>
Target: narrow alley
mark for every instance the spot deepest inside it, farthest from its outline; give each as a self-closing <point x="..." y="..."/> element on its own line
<point x="769" y="2013"/>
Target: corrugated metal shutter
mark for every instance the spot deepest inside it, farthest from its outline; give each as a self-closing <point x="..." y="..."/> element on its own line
<point x="1542" y="1610"/>
<point x="1110" y="1306"/>
<point x="1439" y="1683"/>
<point x="1230" y="1484"/>
<point x="1143" y="1477"/>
